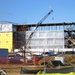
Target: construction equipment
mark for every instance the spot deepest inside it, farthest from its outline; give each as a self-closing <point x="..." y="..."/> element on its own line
<point x="3" y="72"/>
<point x="70" y="38"/>
<point x="36" y="26"/>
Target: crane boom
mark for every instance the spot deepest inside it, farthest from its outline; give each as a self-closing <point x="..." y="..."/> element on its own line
<point x="36" y="26"/>
<point x="40" y="22"/>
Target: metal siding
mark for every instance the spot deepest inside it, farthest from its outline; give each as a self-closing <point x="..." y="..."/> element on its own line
<point x="6" y="40"/>
<point x="3" y="52"/>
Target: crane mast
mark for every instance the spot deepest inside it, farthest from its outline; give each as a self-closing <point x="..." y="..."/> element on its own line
<point x="36" y="26"/>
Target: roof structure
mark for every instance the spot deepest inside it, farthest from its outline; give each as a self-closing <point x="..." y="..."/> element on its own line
<point x="52" y="24"/>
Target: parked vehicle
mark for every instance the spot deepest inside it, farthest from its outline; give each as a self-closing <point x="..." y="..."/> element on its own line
<point x="48" y="53"/>
<point x="15" y="59"/>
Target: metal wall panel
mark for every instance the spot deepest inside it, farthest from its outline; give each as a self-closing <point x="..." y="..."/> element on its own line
<point x="6" y="27"/>
<point x="6" y="40"/>
<point x="3" y="52"/>
<point x="46" y="39"/>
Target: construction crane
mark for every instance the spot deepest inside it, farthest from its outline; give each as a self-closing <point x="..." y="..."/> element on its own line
<point x="36" y="26"/>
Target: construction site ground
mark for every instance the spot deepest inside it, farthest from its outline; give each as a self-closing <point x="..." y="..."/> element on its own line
<point x="13" y="69"/>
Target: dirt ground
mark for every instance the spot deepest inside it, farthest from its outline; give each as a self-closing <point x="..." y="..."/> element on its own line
<point x="13" y="69"/>
<point x="19" y="74"/>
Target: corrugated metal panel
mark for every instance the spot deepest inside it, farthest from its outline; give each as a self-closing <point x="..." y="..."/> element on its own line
<point x="3" y="52"/>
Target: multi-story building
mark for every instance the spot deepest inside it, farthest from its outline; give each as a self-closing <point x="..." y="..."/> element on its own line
<point x="51" y="36"/>
<point x="47" y="36"/>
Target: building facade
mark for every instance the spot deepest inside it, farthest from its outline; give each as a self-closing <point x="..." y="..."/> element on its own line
<point x="46" y="39"/>
<point x="51" y="36"/>
<point x="47" y="36"/>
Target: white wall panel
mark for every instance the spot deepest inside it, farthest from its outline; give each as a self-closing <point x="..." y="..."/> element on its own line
<point x="47" y="39"/>
<point x="5" y="27"/>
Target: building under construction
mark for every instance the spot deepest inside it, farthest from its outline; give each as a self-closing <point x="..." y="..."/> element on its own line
<point x="47" y="36"/>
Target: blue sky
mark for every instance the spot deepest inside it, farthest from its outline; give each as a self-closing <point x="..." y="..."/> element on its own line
<point x="32" y="11"/>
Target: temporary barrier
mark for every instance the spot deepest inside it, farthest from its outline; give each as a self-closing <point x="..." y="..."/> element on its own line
<point x="71" y="73"/>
